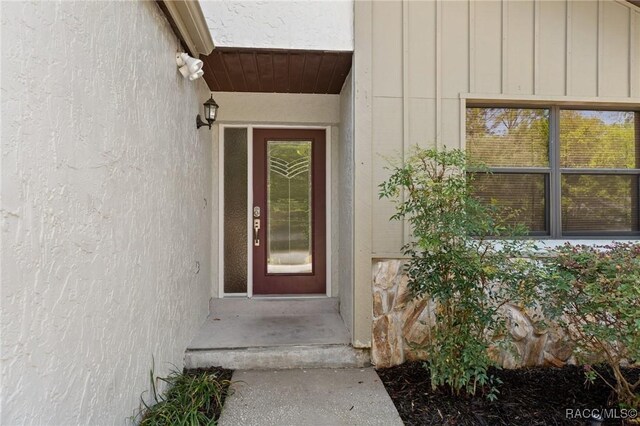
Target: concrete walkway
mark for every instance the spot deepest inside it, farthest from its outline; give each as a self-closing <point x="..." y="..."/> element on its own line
<point x="353" y="396"/>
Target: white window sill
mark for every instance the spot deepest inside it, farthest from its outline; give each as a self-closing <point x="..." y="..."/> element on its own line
<point x="543" y="245"/>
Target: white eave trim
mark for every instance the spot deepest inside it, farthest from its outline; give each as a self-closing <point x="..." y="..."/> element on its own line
<point x="192" y="25"/>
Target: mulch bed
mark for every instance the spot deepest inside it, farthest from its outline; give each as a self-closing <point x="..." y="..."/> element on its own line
<point x="531" y="396"/>
<point x="222" y="373"/>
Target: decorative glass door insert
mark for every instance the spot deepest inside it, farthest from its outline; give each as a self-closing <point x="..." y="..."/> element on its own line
<point x="289" y="199"/>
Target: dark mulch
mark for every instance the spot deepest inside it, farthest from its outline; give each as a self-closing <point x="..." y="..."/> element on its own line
<point x="221" y="373"/>
<point x="531" y="397"/>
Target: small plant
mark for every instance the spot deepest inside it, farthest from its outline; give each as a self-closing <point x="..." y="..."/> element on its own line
<point x="456" y="261"/>
<point x="192" y="398"/>
<point x="594" y="293"/>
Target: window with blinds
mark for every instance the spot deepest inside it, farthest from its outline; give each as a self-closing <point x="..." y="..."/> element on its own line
<point x="514" y="144"/>
<point x="558" y="171"/>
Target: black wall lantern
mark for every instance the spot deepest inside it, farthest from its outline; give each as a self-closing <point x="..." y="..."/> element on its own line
<point x="210" y="112"/>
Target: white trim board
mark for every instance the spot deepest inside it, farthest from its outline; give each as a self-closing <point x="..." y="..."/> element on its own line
<point x="630" y="102"/>
<point x="328" y="177"/>
<point x="220" y="211"/>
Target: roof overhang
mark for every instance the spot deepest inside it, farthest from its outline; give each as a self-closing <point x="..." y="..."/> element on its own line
<point x="229" y="69"/>
<point x="187" y="20"/>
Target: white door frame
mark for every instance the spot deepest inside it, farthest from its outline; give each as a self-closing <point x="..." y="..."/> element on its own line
<point x="250" y="128"/>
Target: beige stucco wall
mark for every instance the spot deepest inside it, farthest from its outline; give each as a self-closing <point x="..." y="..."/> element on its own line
<point x="416" y="63"/>
<point x="277" y="109"/>
<point x="105" y="258"/>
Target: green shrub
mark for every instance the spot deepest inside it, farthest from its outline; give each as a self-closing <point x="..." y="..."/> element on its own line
<point x="192" y="398"/>
<point x="454" y="260"/>
<point x="594" y="293"/>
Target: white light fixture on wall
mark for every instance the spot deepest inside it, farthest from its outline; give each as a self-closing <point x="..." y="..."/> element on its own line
<point x="188" y="66"/>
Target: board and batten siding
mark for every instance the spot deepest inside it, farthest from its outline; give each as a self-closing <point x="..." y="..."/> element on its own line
<point x="427" y="57"/>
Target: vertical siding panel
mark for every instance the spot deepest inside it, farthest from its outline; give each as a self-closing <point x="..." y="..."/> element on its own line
<point x="422" y="122"/>
<point x="422" y="48"/>
<point x="600" y="47"/>
<point x="455" y="49"/>
<point x="405" y="97"/>
<point x="552" y="45"/>
<point x="387" y="145"/>
<point x="504" y="17"/>
<point x="634" y="55"/>
<point x="451" y="137"/>
<point x="438" y="72"/>
<point x="472" y="46"/>
<point x="536" y="47"/>
<point x="387" y="48"/>
<point x="584" y="48"/>
<point x="614" y="35"/>
<point x="487" y="43"/>
<point x="569" y="41"/>
<point x="520" y="49"/>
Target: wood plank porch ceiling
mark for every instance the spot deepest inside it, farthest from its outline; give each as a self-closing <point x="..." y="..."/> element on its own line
<point x="276" y="71"/>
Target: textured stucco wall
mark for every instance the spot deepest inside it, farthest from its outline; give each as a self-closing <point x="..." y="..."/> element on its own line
<point x="104" y="219"/>
<point x="290" y="24"/>
<point x="345" y="218"/>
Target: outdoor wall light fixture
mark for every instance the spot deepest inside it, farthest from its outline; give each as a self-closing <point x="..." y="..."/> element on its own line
<point x="188" y="66"/>
<point x="210" y="112"/>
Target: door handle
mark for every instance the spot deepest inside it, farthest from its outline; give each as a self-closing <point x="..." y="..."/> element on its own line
<point x="256" y="231"/>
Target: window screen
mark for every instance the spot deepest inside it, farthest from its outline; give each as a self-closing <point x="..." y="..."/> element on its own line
<point x="514" y="144"/>
<point x="520" y="198"/>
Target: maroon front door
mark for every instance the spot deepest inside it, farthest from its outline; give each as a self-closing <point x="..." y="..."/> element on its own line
<point x="289" y="217"/>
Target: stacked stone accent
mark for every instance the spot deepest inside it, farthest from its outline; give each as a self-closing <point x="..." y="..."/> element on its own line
<point x="401" y="325"/>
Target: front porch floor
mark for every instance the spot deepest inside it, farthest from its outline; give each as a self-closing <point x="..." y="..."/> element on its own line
<point x="274" y="333"/>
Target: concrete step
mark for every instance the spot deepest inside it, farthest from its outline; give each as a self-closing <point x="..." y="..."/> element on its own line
<point x="259" y="306"/>
<point x="279" y="357"/>
<point x="249" y="331"/>
<point x="271" y="333"/>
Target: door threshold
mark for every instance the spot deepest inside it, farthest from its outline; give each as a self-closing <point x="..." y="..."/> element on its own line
<point x="290" y="296"/>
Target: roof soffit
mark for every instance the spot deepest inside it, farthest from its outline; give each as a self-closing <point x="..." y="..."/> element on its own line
<point x="189" y="21"/>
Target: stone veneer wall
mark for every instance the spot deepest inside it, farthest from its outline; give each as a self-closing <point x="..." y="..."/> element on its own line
<point x="401" y="323"/>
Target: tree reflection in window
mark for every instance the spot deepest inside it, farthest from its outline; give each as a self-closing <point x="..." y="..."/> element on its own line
<point x="596" y="171"/>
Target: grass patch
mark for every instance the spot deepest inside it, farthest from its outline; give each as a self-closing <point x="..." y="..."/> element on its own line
<point x="193" y="397"/>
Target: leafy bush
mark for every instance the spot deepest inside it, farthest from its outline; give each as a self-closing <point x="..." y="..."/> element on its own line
<point x="192" y="398"/>
<point x="454" y="261"/>
<point x="594" y="293"/>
